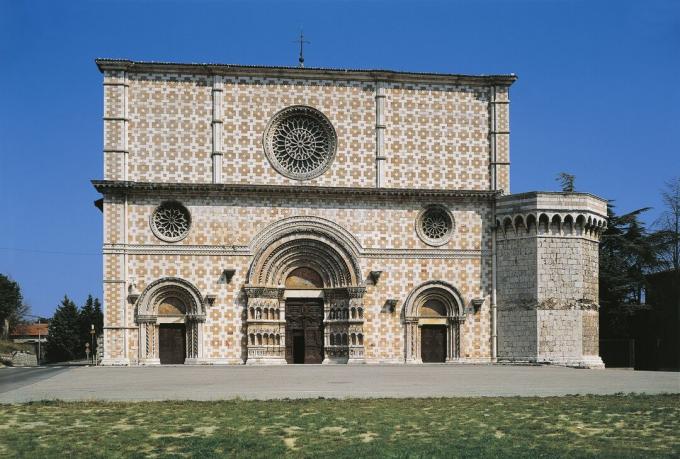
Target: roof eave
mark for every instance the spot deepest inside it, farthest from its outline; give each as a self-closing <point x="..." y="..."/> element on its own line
<point x="301" y="73"/>
<point x="117" y="187"/>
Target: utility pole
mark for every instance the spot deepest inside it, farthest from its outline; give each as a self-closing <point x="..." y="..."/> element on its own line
<point x="94" y="356"/>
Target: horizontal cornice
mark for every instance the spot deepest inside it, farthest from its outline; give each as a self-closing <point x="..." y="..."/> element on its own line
<point x="245" y="251"/>
<point x="551" y="201"/>
<point x="222" y="189"/>
<point x="302" y="73"/>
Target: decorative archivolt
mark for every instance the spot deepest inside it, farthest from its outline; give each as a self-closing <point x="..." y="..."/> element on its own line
<point x="308" y="242"/>
<point x="441" y="291"/>
<point x="170" y="287"/>
<point x="545" y="223"/>
<point x="305" y="223"/>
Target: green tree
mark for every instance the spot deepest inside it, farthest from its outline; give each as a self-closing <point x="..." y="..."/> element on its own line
<point x="63" y="340"/>
<point x="12" y="306"/>
<point x="90" y="314"/>
<point x="627" y="254"/>
<point x="566" y="181"/>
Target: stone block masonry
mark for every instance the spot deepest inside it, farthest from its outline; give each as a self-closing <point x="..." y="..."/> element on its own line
<point x="547" y="277"/>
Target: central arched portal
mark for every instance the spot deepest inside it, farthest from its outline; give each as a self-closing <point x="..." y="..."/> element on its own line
<point x="305" y="296"/>
<point x="304" y="317"/>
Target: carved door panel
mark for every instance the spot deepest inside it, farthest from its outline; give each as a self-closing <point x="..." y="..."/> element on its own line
<point x="172" y="343"/>
<point x="433" y="343"/>
<point x="298" y="350"/>
<point x="314" y="332"/>
<point x="304" y="331"/>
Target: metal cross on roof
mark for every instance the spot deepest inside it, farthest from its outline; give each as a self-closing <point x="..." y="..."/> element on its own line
<point x="302" y="40"/>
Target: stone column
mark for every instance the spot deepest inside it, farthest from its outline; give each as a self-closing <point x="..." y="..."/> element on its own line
<point x="148" y="341"/>
<point x="453" y="344"/>
<point x="356" y="325"/>
<point x="194" y="324"/>
<point x="412" y="344"/>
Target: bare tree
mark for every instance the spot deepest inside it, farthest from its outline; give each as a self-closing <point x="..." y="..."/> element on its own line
<point x="566" y="181"/>
<point x="668" y="225"/>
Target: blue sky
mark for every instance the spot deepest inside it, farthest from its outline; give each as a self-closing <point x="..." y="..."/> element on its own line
<point x="597" y="95"/>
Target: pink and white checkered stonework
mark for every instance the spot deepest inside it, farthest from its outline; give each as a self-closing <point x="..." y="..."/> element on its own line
<point x="274" y="215"/>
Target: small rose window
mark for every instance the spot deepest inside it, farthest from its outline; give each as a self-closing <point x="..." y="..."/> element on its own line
<point x="435" y="225"/>
<point x="171" y="221"/>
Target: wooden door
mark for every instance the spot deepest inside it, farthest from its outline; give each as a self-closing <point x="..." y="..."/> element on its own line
<point x="433" y="343"/>
<point x="172" y="343"/>
<point x="304" y="331"/>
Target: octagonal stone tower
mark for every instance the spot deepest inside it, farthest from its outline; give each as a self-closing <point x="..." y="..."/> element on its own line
<point x="547" y="255"/>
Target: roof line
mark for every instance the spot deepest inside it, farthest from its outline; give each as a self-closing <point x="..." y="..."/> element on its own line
<point x="120" y="186"/>
<point x="298" y="72"/>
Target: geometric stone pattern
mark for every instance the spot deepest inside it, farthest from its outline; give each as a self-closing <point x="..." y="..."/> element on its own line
<point x="175" y="133"/>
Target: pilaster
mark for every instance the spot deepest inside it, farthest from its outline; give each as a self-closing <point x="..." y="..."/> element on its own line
<point x="217" y="123"/>
<point x="499" y="138"/>
<point x="380" y="158"/>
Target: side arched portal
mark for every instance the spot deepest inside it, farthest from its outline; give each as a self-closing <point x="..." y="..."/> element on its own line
<point x="433" y="313"/>
<point x="170" y="314"/>
<point x="303" y="284"/>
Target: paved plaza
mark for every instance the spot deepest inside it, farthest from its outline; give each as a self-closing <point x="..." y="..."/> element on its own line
<point x="311" y="381"/>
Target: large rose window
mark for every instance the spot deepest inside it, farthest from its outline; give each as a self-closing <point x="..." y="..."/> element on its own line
<point x="300" y="142"/>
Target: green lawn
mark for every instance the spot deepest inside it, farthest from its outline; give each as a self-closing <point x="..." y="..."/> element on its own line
<point x="574" y="426"/>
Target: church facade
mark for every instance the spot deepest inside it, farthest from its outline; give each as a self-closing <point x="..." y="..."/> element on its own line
<point x="271" y="215"/>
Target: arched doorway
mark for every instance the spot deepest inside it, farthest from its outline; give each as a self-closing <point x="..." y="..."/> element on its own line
<point x="306" y="271"/>
<point x="304" y="318"/>
<point x="172" y="341"/>
<point x="433" y="313"/>
<point x="433" y="331"/>
<point x="170" y="314"/>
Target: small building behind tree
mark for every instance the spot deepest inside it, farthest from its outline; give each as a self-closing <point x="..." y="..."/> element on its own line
<point x="32" y="334"/>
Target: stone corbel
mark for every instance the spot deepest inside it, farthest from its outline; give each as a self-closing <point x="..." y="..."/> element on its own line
<point x="227" y="276"/>
<point x="375" y="275"/>
<point x="477" y="303"/>
<point x="390" y="306"/>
